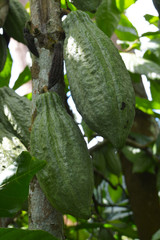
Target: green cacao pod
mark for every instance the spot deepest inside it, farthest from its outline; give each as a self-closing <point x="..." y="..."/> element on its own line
<point x="15" y="21"/>
<point x="112" y="159"/>
<point x="15" y="115"/>
<point x="87" y="5"/>
<point x="100" y="83"/>
<point x="67" y="178"/>
<point x="107" y="159"/>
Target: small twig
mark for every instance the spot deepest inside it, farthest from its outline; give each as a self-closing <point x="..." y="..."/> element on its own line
<point x="96" y="207"/>
<point x="138" y="145"/>
<point x="105" y="179"/>
<point x="144" y="147"/>
<point x="64" y="12"/>
<point x="123" y="189"/>
<point x="109" y="182"/>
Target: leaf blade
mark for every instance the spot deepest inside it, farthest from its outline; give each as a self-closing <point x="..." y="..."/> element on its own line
<point x="14" y="234"/>
<point x="14" y="183"/>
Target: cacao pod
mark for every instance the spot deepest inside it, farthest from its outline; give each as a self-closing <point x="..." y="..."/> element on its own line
<point x="107" y="159"/>
<point x="67" y="178"/>
<point x="112" y="159"/>
<point x="15" y="21"/>
<point x="100" y="83"/>
<point x="87" y="5"/>
<point x="15" y="115"/>
<point x="99" y="164"/>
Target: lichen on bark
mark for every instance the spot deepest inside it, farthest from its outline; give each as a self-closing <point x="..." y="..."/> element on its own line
<point x="46" y="20"/>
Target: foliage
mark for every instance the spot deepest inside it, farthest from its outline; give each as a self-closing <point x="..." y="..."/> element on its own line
<point x="112" y="213"/>
<point x="15" y="179"/>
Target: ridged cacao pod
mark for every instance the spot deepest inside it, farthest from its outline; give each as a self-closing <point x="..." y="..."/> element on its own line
<point x="67" y="178"/>
<point x="15" y="114"/>
<point x="87" y="5"/>
<point x="100" y="83"/>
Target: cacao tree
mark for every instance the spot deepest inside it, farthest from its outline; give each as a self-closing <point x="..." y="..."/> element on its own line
<point x="53" y="185"/>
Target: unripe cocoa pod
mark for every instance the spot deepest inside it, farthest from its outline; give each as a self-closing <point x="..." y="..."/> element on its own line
<point x="100" y="83"/>
<point x="67" y="178"/>
<point x="87" y="5"/>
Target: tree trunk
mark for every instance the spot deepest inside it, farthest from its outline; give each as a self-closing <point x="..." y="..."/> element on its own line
<point x="41" y="213"/>
<point x="46" y="23"/>
<point x="141" y="187"/>
<point x="144" y="200"/>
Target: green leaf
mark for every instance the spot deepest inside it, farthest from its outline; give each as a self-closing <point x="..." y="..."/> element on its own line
<point x="142" y="163"/>
<point x="124" y="229"/>
<point x="141" y="160"/>
<point x="124" y="4"/>
<point x="71" y="6"/>
<point x="105" y="234"/>
<point x="10" y="147"/>
<point x="3" y="52"/>
<point x="5" y="74"/>
<point x="152" y="56"/>
<point x="140" y="65"/>
<point x="141" y="139"/>
<point x="66" y="84"/>
<point x="152" y="50"/>
<point x="128" y="45"/>
<point x="147" y="106"/>
<point x="155" y="90"/>
<point x="119" y="226"/>
<point x="14" y="183"/>
<point x="27" y="7"/>
<point x="125" y="30"/>
<point x="15" y="234"/>
<point x="107" y="16"/>
<point x="16" y="20"/>
<point x="115" y="194"/>
<point x="24" y="77"/>
<point x="156" y="236"/>
<point x="152" y="19"/>
<point x="63" y="4"/>
<point x="28" y="96"/>
<point x="15" y="114"/>
<point x="151" y="35"/>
